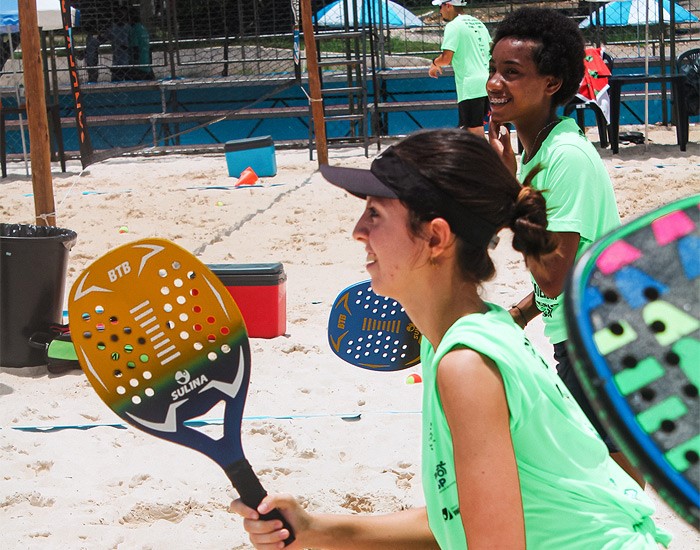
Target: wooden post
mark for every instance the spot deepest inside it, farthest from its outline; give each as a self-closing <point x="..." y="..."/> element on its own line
<point x="40" y="145"/>
<point x="314" y="82"/>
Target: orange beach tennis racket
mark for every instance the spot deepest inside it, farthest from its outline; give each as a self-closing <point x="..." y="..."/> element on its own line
<point x="162" y="342"/>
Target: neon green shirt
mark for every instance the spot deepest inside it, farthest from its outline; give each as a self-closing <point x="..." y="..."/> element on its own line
<point x="469" y="40"/>
<point x="580" y="199"/>
<point x="574" y="495"/>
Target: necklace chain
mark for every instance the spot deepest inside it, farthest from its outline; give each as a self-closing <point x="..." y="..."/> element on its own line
<point x="537" y="137"/>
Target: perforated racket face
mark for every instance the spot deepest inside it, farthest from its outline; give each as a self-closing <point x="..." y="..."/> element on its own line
<point x="371" y="331"/>
<point x="633" y="310"/>
<point x="162" y="341"/>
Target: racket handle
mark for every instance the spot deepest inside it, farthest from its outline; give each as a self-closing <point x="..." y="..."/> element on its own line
<point x="252" y="492"/>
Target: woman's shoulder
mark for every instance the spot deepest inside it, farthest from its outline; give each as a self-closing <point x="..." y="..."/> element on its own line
<point x="570" y="150"/>
<point x="567" y="136"/>
<point x="477" y="329"/>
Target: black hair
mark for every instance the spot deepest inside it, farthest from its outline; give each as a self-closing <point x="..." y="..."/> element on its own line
<point x="561" y="45"/>
<point x="134" y="15"/>
<point x="466" y="168"/>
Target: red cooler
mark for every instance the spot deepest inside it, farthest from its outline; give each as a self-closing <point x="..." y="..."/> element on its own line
<point x="261" y="294"/>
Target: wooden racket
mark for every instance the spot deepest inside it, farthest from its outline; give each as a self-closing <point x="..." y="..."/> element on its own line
<point x="371" y="331"/>
<point x="162" y="342"/>
<point x="632" y="310"/>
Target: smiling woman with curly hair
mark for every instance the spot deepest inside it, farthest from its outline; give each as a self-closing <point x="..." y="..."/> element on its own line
<point x="536" y="66"/>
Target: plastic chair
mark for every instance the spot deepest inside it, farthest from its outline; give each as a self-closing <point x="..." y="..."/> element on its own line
<point x="688" y="64"/>
<point x="579" y="103"/>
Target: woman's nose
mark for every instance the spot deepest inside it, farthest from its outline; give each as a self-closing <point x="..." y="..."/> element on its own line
<point x="359" y="232"/>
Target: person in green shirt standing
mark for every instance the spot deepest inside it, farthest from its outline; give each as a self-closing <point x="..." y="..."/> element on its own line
<point x="465" y="46"/>
<point x="536" y="66"/>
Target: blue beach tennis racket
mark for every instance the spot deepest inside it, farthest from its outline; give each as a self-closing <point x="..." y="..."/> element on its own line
<point x="371" y="331"/>
<point x="633" y="314"/>
<point x="162" y="342"/>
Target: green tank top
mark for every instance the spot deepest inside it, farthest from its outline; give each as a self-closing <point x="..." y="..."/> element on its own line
<point x="574" y="495"/>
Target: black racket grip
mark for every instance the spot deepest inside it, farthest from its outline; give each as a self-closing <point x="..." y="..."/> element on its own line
<point x="252" y="492"/>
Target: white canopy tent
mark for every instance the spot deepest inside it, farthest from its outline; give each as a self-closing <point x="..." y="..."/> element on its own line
<point x="48" y="15"/>
<point x="49" y="18"/>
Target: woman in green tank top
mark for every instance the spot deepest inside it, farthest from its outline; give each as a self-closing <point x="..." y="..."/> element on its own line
<point x="509" y="460"/>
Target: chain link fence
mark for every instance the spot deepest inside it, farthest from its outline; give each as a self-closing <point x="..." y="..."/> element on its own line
<point x="405" y="46"/>
<point x="136" y="60"/>
<point x="172" y="72"/>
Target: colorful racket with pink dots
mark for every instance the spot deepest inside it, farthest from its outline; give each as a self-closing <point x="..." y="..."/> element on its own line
<point x="633" y="314"/>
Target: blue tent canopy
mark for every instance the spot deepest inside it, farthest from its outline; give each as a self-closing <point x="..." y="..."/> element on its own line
<point x="388" y="12"/>
<point x="634" y="12"/>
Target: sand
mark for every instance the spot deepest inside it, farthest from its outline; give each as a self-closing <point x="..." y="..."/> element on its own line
<point x="340" y="438"/>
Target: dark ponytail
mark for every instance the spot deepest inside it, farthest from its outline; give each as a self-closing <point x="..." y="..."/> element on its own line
<point x="466" y="168"/>
<point x="529" y="221"/>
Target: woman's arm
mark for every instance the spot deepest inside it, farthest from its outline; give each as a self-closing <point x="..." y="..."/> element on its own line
<point x="525" y="310"/>
<point x="550" y="271"/>
<point x="405" y="530"/>
<point x="474" y="401"/>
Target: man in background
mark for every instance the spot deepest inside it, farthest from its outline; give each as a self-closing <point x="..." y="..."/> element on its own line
<point x="95" y="20"/>
<point x="140" y="47"/>
<point x="465" y="46"/>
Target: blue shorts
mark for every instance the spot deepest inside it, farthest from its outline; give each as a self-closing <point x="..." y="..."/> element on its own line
<point x="566" y="372"/>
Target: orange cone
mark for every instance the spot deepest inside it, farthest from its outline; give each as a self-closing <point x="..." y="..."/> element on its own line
<point x="247" y="177"/>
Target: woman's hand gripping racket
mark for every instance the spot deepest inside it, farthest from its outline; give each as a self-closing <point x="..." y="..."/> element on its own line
<point x="633" y="310"/>
<point x="371" y="331"/>
<point x="162" y="342"/>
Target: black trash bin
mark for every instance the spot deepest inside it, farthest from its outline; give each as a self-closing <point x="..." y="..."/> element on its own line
<point x="33" y="264"/>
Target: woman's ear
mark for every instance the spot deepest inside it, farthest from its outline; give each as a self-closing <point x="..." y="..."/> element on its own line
<point x="553" y="85"/>
<point x="440" y="237"/>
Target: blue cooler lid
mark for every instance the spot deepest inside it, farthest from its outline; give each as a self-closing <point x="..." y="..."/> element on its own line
<point x="248" y="143"/>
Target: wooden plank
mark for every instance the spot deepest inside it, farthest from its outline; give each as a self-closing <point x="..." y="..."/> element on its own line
<point x="314" y="82"/>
